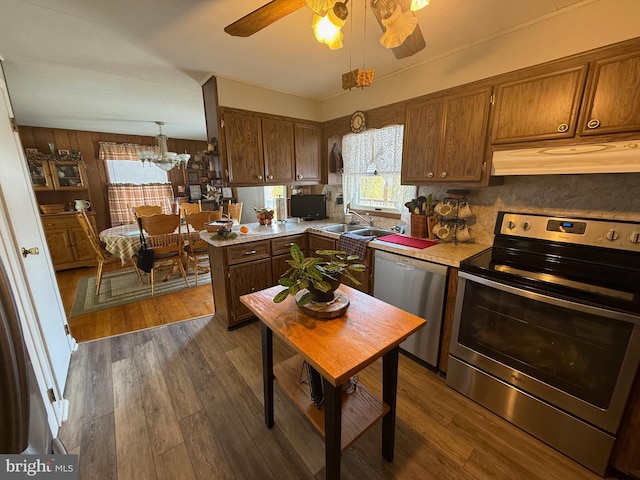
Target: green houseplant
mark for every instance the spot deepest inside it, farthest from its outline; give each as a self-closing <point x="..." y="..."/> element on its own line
<point x="320" y="276"/>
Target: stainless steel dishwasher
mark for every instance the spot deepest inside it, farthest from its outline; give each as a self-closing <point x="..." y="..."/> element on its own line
<point x="418" y="287"/>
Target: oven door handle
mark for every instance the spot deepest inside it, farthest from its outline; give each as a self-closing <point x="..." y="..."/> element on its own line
<point x="624" y="317"/>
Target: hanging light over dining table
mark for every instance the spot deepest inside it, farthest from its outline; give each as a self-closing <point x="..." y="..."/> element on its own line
<point x="160" y="157"/>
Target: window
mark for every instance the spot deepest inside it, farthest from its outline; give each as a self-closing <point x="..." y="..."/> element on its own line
<point x="133" y="171"/>
<point x="372" y="163"/>
<point x="270" y="195"/>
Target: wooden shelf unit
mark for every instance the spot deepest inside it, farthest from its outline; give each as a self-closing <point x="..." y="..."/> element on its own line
<point x="360" y="409"/>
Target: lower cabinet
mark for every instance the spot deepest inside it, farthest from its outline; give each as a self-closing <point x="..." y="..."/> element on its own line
<point x="280" y="253"/>
<point x="318" y="242"/>
<point x="68" y="245"/>
<point x="247" y="278"/>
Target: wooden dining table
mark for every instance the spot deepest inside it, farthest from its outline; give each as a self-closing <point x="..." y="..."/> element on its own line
<point x="337" y="349"/>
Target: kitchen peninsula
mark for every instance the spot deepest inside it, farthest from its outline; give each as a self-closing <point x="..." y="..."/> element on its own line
<point x="255" y="260"/>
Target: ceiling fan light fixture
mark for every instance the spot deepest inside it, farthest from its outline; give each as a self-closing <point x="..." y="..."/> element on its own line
<point x="398" y="27"/>
<point x="321" y="7"/>
<point x="418" y="4"/>
<point x="327" y="28"/>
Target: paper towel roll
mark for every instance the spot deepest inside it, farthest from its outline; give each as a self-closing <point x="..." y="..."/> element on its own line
<point x="281" y="209"/>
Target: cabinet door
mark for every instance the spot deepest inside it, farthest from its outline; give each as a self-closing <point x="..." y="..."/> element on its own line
<point x="60" y="247"/>
<point x="40" y="174"/>
<point x="278" y="150"/>
<point x="466" y="120"/>
<point x="541" y="107"/>
<point x="318" y="242"/>
<point x="421" y="144"/>
<point x="307" y="141"/>
<point x="246" y="278"/>
<point x="68" y="175"/>
<point x="363" y="277"/>
<point x="82" y="249"/>
<point x="612" y="103"/>
<point x="243" y="143"/>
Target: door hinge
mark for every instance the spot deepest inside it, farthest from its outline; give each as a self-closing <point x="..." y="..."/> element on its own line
<point x="492" y="99"/>
<point x="484" y="166"/>
<point x="66" y="329"/>
<point x="14" y="125"/>
<point x="51" y="395"/>
<point x="222" y="123"/>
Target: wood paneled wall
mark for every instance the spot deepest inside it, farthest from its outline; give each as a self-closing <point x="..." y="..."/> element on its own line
<point x="87" y="143"/>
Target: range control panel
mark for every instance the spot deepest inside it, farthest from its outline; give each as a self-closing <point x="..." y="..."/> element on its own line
<point x="622" y="235"/>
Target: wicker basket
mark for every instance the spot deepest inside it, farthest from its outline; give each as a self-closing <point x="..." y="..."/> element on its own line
<point x="52" y="208"/>
<point x="419" y="226"/>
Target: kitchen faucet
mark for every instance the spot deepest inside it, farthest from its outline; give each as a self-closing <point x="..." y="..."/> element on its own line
<point x="368" y="219"/>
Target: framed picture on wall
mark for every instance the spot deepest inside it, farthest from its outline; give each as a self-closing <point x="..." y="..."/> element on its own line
<point x="193" y="176"/>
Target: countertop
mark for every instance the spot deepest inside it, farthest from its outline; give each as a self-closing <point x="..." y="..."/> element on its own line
<point x="443" y="253"/>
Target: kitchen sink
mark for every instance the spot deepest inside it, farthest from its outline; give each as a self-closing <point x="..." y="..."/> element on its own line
<point x="342" y="228"/>
<point x="372" y="232"/>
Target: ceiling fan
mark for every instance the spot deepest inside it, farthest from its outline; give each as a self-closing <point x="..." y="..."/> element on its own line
<point x="276" y="9"/>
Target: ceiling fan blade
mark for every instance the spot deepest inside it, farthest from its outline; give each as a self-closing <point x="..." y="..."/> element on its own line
<point x="263" y="17"/>
<point x="413" y="43"/>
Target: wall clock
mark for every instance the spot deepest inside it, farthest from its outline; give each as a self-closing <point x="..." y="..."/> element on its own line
<point x="358" y="122"/>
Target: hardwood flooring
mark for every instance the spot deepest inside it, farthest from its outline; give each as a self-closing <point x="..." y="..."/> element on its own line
<point x="151" y="312"/>
<point x="184" y="401"/>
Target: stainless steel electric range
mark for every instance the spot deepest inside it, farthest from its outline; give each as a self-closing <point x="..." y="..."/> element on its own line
<point x="547" y="329"/>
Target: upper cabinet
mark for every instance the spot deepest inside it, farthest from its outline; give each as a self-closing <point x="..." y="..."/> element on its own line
<point x="612" y="101"/>
<point x="307" y="139"/>
<point x="264" y="149"/>
<point x="444" y="138"/>
<point x="243" y="148"/>
<point x="540" y="107"/>
<point x="56" y="175"/>
<point x="596" y="98"/>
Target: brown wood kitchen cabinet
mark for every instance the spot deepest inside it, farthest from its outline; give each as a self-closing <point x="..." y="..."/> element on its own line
<point x="444" y="138"/>
<point x="237" y="270"/>
<point x="612" y="99"/>
<point x="540" y="107"/>
<point x="555" y="102"/>
<point x="280" y="253"/>
<point x="68" y="245"/>
<point x="266" y="149"/>
<point x="318" y="242"/>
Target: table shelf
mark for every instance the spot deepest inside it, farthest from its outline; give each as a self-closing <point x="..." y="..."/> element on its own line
<point x="360" y="409"/>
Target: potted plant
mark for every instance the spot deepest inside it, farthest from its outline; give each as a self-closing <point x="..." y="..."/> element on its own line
<point x="320" y="276"/>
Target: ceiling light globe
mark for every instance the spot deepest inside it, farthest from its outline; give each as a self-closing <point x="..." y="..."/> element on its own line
<point x="418" y="4"/>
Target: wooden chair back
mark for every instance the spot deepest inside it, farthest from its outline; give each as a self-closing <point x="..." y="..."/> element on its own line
<point x="91" y="235"/>
<point x="187" y="208"/>
<point x="146" y="210"/>
<point x="235" y="210"/>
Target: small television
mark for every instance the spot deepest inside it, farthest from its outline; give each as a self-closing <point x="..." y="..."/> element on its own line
<point x="309" y="207"/>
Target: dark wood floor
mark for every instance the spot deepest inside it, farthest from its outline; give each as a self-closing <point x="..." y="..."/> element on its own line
<point x="184" y="401"/>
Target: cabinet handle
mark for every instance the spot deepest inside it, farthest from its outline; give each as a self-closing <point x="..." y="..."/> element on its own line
<point x="563" y="127"/>
<point x="593" y="123"/>
<point x="270" y="177"/>
<point x="259" y="177"/>
<point x="429" y="174"/>
<point x="443" y="174"/>
<point x="290" y="244"/>
<point x="250" y="252"/>
<point x="300" y="177"/>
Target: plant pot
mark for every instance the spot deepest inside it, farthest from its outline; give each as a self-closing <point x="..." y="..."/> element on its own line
<point x="324" y="297"/>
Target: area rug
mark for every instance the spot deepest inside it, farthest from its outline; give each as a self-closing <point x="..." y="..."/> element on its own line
<point x="122" y="287"/>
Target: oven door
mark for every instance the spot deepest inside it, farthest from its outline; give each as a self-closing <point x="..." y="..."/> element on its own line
<point x="579" y="358"/>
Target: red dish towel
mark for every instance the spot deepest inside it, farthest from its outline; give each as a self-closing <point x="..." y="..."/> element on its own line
<point x="407" y="241"/>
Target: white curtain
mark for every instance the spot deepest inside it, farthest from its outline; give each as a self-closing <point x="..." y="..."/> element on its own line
<point x="375" y="152"/>
<point x="123" y="166"/>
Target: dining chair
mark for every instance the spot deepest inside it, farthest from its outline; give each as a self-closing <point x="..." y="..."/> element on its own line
<point x="187" y="208"/>
<point x="145" y="211"/>
<point x="102" y="256"/>
<point x="197" y="249"/>
<point x="235" y="210"/>
<point x="163" y="235"/>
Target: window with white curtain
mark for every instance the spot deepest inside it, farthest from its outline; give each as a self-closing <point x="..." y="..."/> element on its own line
<point x="371" y="175"/>
<point x="133" y="171"/>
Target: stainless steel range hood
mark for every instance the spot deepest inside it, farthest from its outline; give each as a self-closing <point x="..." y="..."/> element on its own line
<point x="606" y="157"/>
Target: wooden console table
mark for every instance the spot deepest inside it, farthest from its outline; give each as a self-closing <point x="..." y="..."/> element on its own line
<point x="337" y="349"/>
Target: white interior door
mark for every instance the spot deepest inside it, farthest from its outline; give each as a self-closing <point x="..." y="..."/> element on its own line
<point x="36" y="288"/>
